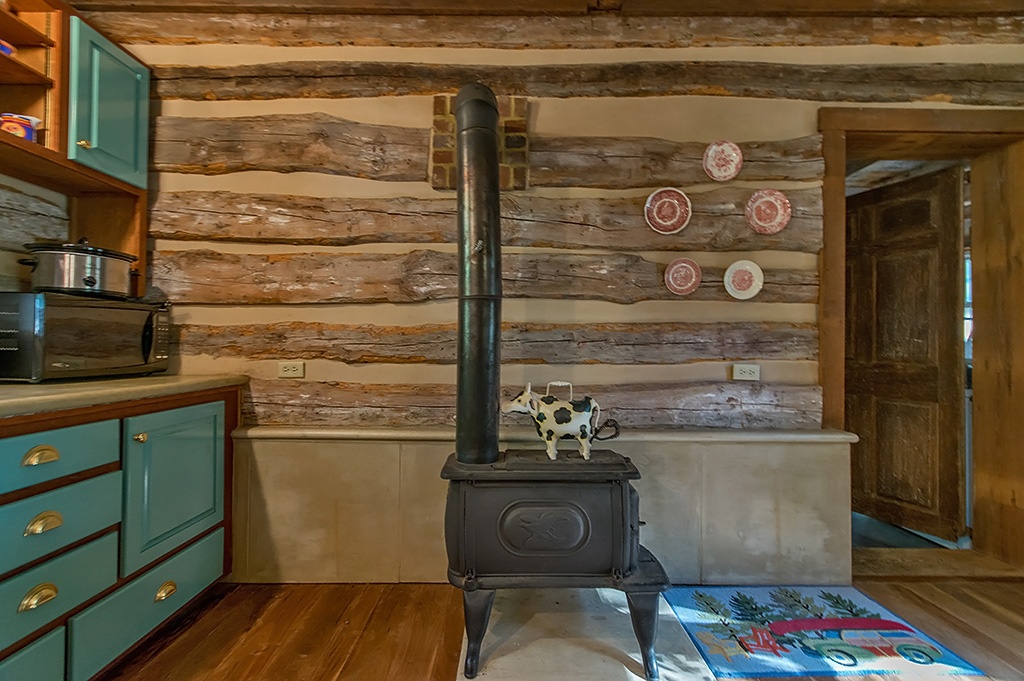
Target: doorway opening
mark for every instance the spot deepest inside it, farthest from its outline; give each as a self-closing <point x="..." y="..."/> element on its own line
<point x="894" y="365"/>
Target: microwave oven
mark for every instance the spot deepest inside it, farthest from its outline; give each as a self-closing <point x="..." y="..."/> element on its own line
<point x="50" y="336"/>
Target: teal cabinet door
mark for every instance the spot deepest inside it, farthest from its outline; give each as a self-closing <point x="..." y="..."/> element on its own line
<point x="174" y="480"/>
<point x="108" y="120"/>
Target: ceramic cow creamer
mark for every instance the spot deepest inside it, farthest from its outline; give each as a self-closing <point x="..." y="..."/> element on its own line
<point x="556" y="418"/>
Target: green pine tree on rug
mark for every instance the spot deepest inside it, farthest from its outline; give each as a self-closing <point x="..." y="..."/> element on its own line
<point x="793" y="606"/>
<point x="724" y="625"/>
<point x="844" y="607"/>
<point x="748" y="609"/>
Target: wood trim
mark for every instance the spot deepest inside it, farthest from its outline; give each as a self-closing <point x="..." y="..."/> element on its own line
<point x="417" y="7"/>
<point x="32" y="423"/>
<point x="832" y="283"/>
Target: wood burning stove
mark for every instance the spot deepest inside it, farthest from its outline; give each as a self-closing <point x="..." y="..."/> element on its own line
<point x="515" y="519"/>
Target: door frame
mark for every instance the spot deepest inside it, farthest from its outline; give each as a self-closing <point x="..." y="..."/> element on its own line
<point x="864" y="133"/>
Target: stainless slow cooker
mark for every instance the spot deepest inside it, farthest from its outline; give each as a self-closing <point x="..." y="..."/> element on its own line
<point x="80" y="268"/>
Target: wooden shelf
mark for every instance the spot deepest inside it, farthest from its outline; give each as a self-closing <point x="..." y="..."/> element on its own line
<point x="13" y="72"/>
<point x="35" y="163"/>
<point x="18" y="33"/>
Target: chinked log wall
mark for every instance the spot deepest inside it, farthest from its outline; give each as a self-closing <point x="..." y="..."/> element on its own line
<point x="577" y="234"/>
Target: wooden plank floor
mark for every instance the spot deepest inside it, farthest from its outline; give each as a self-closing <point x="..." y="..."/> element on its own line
<point x="413" y="632"/>
<point x="308" y="632"/>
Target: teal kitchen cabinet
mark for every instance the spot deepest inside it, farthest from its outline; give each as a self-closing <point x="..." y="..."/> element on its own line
<point x="108" y="106"/>
<point x="174" y="480"/>
<point x="126" y="529"/>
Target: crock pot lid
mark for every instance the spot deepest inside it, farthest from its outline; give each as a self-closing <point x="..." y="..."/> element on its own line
<point x="80" y="248"/>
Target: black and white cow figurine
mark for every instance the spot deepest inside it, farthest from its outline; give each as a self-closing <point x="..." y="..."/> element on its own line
<point x="557" y="418"/>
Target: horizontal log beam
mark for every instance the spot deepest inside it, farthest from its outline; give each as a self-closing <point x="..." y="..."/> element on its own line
<point x="977" y="84"/>
<point x="557" y="32"/>
<point x="26" y="219"/>
<point x="618" y="162"/>
<point x="639" y="406"/>
<point x="718" y="221"/>
<point x="415" y="7"/>
<point x="204" y="276"/>
<point x="620" y="343"/>
<point x="570" y="7"/>
<point x="287" y="144"/>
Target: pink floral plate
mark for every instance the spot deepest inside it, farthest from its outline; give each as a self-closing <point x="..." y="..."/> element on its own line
<point x="682" y="276"/>
<point x="744" y="279"/>
<point x="768" y="211"/>
<point x="722" y="160"/>
<point x="667" y="210"/>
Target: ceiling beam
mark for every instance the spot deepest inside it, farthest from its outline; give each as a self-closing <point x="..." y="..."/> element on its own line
<point x="831" y="8"/>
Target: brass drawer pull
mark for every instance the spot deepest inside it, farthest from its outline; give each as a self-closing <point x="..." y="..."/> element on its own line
<point x="40" y="454"/>
<point x="85" y="144"/>
<point x="141" y="437"/>
<point x="166" y="590"/>
<point x="44" y="522"/>
<point x="44" y="593"/>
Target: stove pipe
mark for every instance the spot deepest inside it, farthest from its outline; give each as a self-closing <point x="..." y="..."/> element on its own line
<point x="479" y="361"/>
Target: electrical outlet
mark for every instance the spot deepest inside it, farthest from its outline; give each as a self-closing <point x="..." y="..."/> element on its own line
<point x="746" y="372"/>
<point x="291" y="369"/>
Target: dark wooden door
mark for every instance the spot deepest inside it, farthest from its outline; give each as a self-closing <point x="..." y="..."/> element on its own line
<point x="904" y="352"/>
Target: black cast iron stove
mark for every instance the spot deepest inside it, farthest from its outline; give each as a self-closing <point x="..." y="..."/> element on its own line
<point x="515" y="519"/>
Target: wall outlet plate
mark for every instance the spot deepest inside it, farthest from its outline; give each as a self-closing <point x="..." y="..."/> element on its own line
<point x="291" y="369"/>
<point x="746" y="372"/>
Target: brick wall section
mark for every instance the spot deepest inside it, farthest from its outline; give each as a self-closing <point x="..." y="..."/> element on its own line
<point x="513" y="144"/>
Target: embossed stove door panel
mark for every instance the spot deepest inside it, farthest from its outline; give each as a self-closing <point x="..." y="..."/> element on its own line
<point x="545" y="528"/>
<point x="904" y="359"/>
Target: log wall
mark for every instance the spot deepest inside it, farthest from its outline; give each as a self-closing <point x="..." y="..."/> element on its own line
<point x="294" y="216"/>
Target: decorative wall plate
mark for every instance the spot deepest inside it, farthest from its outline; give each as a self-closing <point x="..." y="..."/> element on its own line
<point x="682" y="276"/>
<point x="744" y="279"/>
<point x="722" y="160"/>
<point x="768" y="211"/>
<point x="667" y="210"/>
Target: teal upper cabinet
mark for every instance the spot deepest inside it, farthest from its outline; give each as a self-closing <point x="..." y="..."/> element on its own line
<point x="174" y="480"/>
<point x="108" y="118"/>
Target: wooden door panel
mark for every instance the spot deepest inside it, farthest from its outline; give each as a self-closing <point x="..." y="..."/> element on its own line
<point x="905" y="371"/>
<point x="906" y="456"/>
<point x="907" y="280"/>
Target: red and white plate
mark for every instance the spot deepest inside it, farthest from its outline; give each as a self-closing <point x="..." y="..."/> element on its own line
<point x="768" y="211"/>
<point x="667" y="210"/>
<point x="744" y="279"/>
<point x="682" y="276"/>
<point x="722" y="160"/>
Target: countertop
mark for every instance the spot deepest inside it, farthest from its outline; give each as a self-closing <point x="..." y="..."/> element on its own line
<point x="20" y="398"/>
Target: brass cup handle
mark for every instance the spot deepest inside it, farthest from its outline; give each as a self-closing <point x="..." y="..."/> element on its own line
<point x="44" y="522"/>
<point x="141" y="437"/>
<point x="85" y="144"/>
<point x="43" y="593"/>
<point x="166" y="590"/>
<point x="40" y="454"/>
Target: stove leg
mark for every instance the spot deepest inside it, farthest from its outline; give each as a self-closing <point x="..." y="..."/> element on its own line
<point x="477" y="607"/>
<point x="643" y="610"/>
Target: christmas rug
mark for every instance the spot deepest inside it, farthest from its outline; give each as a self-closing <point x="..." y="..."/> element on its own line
<point x="780" y="631"/>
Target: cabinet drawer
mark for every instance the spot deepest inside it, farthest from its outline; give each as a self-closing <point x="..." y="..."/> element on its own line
<point x="30" y="459"/>
<point x="34" y="527"/>
<point x="41" y="661"/>
<point x="55" y="587"/>
<point x="97" y="635"/>
<point x="174" y="480"/>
